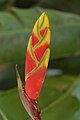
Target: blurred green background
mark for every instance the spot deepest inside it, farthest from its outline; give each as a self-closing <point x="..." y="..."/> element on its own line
<point x="60" y="95"/>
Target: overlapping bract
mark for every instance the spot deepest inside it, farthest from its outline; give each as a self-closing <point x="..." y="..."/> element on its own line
<point x="37" y="57"/>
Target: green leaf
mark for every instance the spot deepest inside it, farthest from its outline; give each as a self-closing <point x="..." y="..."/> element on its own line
<point x="14" y="34"/>
<point x="76" y="90"/>
<point x="67" y="65"/>
<point x="54" y="101"/>
<point x="7" y="76"/>
<point x="76" y="115"/>
<point x="64" y="5"/>
<point x="11" y="107"/>
<point x="5" y="4"/>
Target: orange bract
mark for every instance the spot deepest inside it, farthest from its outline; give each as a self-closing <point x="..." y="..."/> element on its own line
<point x="37" y="57"/>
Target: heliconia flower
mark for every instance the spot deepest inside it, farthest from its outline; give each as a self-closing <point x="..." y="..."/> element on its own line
<point x="37" y="57"/>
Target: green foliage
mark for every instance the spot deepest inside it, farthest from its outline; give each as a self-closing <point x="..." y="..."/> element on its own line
<point x="56" y="98"/>
<point x="60" y="96"/>
<point x="64" y="5"/>
<point x="7" y="76"/>
<point x="5" y="4"/>
<point x="16" y="28"/>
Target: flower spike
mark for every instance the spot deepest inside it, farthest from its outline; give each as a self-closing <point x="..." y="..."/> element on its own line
<point x="37" y="57"/>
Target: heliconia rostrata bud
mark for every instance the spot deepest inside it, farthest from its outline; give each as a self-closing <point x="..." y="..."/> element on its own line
<point x="37" y="57"/>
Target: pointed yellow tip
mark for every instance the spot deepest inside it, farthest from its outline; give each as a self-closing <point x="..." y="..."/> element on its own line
<point x="45" y="58"/>
<point x="43" y="20"/>
<point x="43" y="14"/>
<point x="41" y="23"/>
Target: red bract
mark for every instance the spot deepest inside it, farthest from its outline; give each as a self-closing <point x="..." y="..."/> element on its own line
<point x="31" y="64"/>
<point x="34" y="82"/>
<point x="39" y="52"/>
<point x="34" y="39"/>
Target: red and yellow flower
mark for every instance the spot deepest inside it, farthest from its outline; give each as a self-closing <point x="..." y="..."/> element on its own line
<point x="37" y="57"/>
